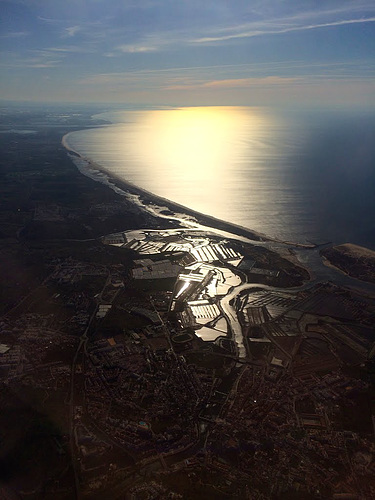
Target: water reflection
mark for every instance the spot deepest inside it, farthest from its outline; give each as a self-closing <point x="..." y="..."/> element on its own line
<point x="217" y="160"/>
<point x="277" y="173"/>
<point x="189" y="154"/>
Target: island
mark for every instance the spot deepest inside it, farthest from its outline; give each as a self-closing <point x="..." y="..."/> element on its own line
<point x="147" y="351"/>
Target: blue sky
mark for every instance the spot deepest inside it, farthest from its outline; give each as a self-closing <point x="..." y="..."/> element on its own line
<point x="189" y="52"/>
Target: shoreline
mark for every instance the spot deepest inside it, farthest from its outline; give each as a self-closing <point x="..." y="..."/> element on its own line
<point x="147" y="200"/>
<point x="363" y="282"/>
<point x="158" y="207"/>
<point x="351" y="260"/>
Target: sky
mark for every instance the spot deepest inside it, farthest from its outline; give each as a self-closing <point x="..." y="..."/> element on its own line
<point x="189" y="52"/>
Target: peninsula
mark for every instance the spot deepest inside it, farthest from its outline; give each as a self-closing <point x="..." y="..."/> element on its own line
<point x="353" y="260"/>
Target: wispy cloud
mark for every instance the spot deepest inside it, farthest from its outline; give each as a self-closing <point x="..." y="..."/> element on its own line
<point x="33" y="59"/>
<point x="214" y="22"/>
<point x="152" y="42"/>
<point x="102" y="38"/>
<point x="32" y="63"/>
<point x="233" y="83"/>
<point x="49" y="64"/>
<point x="262" y="75"/>
<point x="134" y="49"/>
<point x="49" y="20"/>
<point x="15" y="34"/>
<point x="69" y="49"/>
<point x="72" y="31"/>
<point x="202" y="85"/>
<point x="266" y="29"/>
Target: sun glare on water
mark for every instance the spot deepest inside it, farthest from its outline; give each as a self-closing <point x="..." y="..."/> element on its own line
<point x="196" y="141"/>
<point x="210" y="159"/>
<point x="195" y="148"/>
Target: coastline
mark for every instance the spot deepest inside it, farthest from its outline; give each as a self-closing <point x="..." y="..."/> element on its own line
<point x="161" y="208"/>
<point x="327" y="263"/>
<point x="155" y="204"/>
<point x="351" y="260"/>
<point x="111" y="353"/>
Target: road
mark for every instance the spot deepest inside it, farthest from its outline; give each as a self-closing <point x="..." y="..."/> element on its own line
<point x="81" y="350"/>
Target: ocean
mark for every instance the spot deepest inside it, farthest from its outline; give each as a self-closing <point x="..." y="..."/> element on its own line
<point x="303" y="176"/>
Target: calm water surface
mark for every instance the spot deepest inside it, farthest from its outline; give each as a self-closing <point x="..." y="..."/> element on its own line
<point x="301" y="176"/>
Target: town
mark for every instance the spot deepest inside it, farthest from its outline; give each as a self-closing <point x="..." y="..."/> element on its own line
<point x="193" y="366"/>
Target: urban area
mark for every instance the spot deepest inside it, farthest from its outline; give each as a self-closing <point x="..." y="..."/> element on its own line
<point x="168" y="361"/>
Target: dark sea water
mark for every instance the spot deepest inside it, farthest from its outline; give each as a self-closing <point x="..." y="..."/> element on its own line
<point x="300" y="176"/>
